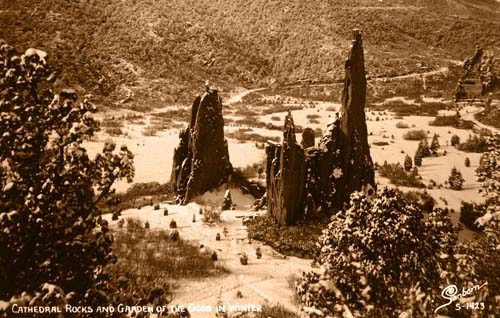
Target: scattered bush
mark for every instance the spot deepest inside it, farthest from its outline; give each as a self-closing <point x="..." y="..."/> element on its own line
<point x="469" y="212"/>
<point x="114" y="131"/>
<point x="211" y="214"/>
<point x="417" y="158"/>
<point x="467" y="162"/>
<point x="172" y="224"/>
<point x="415" y="135"/>
<point x="451" y="121"/>
<point x="423" y="199"/>
<point x="258" y="253"/>
<point x="473" y="144"/>
<point x="423" y="148"/>
<point x="402" y="125"/>
<point x="174" y="235"/>
<point x="313" y="116"/>
<point x="408" y="163"/>
<point x="243" y="135"/>
<point x="243" y="259"/>
<point x="455" y="140"/>
<point x="398" y="176"/>
<point x="455" y="180"/>
<point x="434" y="145"/>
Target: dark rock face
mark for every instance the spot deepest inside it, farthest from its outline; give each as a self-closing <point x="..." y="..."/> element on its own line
<point x="307" y="138"/>
<point x="302" y="182"/>
<point x="285" y="177"/>
<point x="201" y="160"/>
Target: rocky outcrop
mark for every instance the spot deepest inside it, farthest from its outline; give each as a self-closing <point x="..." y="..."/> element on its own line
<point x="306" y="180"/>
<point x="285" y="177"/>
<point x="201" y="160"/>
<point x="478" y="78"/>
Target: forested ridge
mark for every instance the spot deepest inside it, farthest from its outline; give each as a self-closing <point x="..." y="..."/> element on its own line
<point x="158" y="52"/>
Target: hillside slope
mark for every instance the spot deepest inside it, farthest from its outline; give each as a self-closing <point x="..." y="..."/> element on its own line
<point x="145" y="53"/>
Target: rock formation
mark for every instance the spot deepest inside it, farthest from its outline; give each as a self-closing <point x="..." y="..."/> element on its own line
<point x="357" y="163"/>
<point x="307" y="138"/>
<point x="306" y="180"/>
<point x="201" y="160"/>
<point x="285" y="177"/>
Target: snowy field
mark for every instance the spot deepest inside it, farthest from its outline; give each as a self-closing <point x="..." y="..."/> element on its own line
<point x="153" y="154"/>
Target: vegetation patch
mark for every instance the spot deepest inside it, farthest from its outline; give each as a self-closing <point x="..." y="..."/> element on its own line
<point x="469" y="212"/>
<point x="401" y="108"/>
<point x="137" y="196"/>
<point x="145" y="256"/>
<point x="474" y="144"/>
<point x="402" y="125"/>
<point x="296" y="240"/>
<point x="398" y="176"/>
<point x="452" y="121"/>
<point x="244" y="135"/>
<point x="415" y="135"/>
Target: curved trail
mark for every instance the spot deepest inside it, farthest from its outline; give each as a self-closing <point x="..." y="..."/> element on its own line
<point x="236" y="98"/>
<point x="471" y="117"/>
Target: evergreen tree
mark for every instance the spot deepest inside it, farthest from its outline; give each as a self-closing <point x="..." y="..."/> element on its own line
<point x="51" y="232"/>
<point x="417" y="158"/>
<point x="455" y="140"/>
<point x="423" y="148"/>
<point x="414" y="171"/>
<point x="467" y="162"/>
<point x="455" y="179"/>
<point x="408" y="163"/>
<point x="434" y="144"/>
<point x="368" y="258"/>
<point x="478" y="259"/>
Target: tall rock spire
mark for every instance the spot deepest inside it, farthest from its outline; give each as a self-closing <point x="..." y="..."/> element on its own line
<point x="285" y="177"/>
<point x="201" y="161"/>
<point x="303" y="182"/>
<point x="357" y="163"/>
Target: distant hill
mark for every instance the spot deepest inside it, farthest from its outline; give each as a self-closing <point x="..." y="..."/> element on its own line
<point x="145" y="53"/>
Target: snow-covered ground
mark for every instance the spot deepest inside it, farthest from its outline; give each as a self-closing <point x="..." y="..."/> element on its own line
<point x="262" y="281"/>
<point x="153" y="154"/>
<point x="266" y="280"/>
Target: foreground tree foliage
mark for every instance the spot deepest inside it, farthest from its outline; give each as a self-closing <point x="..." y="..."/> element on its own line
<point x="478" y="259"/>
<point x="380" y="258"/>
<point x="52" y="239"/>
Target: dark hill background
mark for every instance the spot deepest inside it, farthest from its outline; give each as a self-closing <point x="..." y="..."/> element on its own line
<point x="147" y="53"/>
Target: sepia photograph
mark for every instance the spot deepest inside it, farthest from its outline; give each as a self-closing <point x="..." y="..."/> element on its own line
<point x="250" y="158"/>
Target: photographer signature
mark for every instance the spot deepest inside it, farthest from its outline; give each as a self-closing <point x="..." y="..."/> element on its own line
<point x="451" y="293"/>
